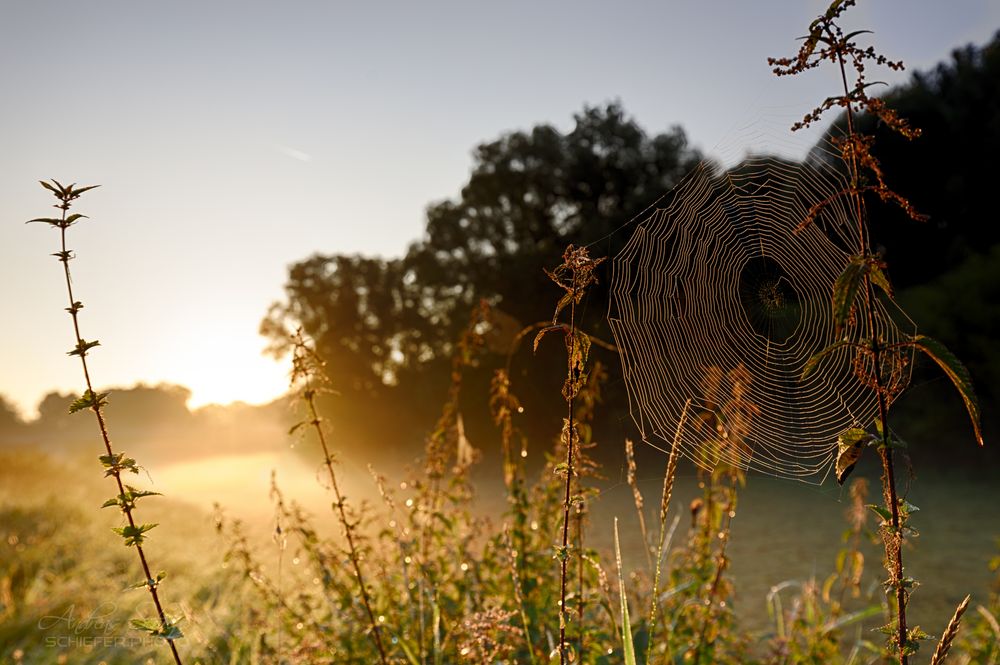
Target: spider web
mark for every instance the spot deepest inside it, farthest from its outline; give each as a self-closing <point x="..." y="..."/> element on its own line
<point x="716" y="300"/>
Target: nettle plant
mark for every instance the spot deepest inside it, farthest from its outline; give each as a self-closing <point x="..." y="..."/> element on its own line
<point x="878" y="363"/>
<point x="308" y="377"/>
<point x="574" y="275"/>
<point x="116" y="464"/>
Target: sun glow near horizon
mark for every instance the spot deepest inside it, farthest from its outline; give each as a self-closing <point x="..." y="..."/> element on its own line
<point x="225" y="370"/>
<point x="221" y="370"/>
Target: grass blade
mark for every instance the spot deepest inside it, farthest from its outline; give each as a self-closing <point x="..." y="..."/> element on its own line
<point x="628" y="647"/>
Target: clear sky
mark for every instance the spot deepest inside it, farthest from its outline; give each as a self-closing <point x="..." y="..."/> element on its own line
<point x="234" y="138"/>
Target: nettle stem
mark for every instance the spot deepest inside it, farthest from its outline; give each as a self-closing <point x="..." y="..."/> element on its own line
<point x="339" y="503"/>
<point x="114" y="470"/>
<point x="573" y="276"/>
<point x="567" y="498"/>
<point x="893" y="542"/>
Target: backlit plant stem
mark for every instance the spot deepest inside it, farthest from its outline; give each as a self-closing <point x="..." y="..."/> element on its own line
<point x="893" y="553"/>
<point x="309" y="396"/>
<point x="564" y="553"/>
<point x="126" y="508"/>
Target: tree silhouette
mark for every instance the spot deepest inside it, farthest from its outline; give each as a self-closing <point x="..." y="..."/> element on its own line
<point x="531" y="193"/>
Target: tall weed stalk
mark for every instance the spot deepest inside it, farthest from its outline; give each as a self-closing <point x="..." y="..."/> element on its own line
<point x="115" y="464"/>
<point x="574" y="275"/>
<point x="307" y="372"/>
<point x="879" y="364"/>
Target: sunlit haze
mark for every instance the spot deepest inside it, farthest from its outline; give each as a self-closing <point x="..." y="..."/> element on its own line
<point x="234" y="138"/>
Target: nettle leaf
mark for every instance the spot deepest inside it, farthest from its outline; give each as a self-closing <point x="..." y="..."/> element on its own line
<point x="147" y="584"/>
<point x="814" y="362"/>
<point x="146" y="625"/>
<point x="89" y="400"/>
<point x="854" y="34"/>
<point x="134" y="535"/>
<point x="51" y="221"/>
<point x="171" y="632"/>
<point x="955" y="371"/>
<point x="887" y="629"/>
<point x="167" y="630"/>
<point x="72" y="219"/>
<point x="118" y="462"/>
<point x="879" y="278"/>
<point x="850" y="444"/>
<point x="845" y="290"/>
<point x="542" y="333"/>
<point x="881" y="512"/>
<point x="127" y="500"/>
<point x="816" y="28"/>
<point x="81" y="190"/>
<point x="563" y="303"/>
<point x="82" y="346"/>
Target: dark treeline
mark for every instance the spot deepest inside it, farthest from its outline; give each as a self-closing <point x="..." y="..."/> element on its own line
<point x="153" y="422"/>
<point x="386" y="326"/>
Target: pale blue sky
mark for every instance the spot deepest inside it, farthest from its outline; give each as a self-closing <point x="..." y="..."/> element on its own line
<point x="233" y="138"/>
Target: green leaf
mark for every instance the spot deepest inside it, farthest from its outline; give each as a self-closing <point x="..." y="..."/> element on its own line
<point x="167" y="630"/>
<point x="850" y="444"/>
<point x="887" y="629"/>
<point x="628" y="646"/>
<point x="171" y="632"/>
<point x="561" y="305"/>
<point x="133" y="535"/>
<point x="148" y="584"/>
<point x="89" y="400"/>
<point x="118" y="462"/>
<point x="51" y="221"/>
<point x="816" y="27"/>
<point x="814" y="362"/>
<point x="955" y="371"/>
<point x="127" y="500"/>
<point x="146" y="625"/>
<point x="854" y="34"/>
<point x="82" y="346"/>
<point x="878" y="277"/>
<point x="77" y="192"/>
<point x="845" y="290"/>
<point x="881" y="512"/>
<point x="48" y="187"/>
<point x="541" y="333"/>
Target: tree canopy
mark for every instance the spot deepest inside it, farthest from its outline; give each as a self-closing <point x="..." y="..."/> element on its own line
<point x="377" y="321"/>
